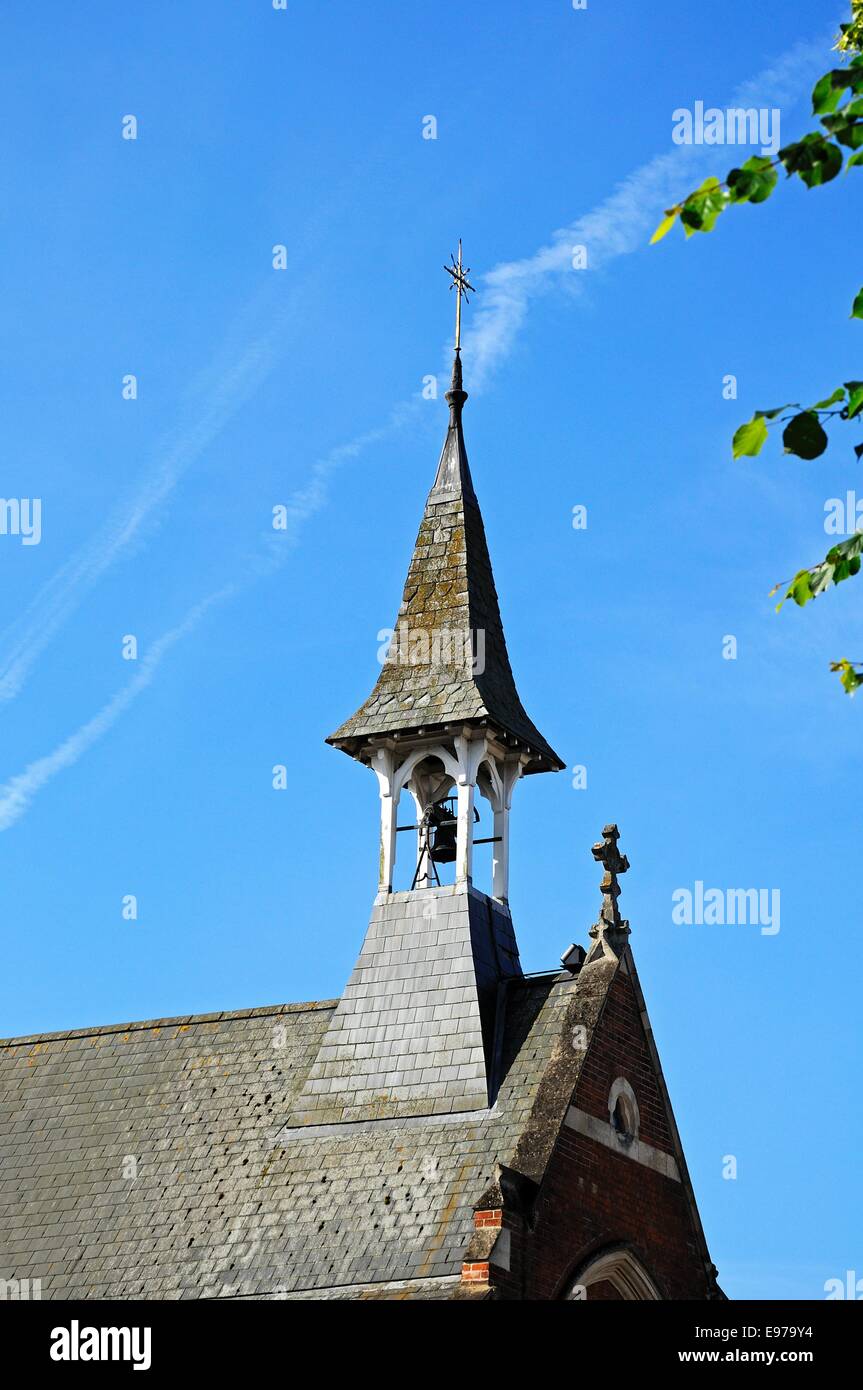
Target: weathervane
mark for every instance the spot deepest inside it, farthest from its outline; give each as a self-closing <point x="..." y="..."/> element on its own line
<point x="461" y="285"/>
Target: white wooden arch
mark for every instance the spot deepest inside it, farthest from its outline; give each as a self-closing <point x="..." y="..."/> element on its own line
<point x="468" y="762"/>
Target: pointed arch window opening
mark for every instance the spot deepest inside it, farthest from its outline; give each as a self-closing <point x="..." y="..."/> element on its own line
<point x="620" y="1267"/>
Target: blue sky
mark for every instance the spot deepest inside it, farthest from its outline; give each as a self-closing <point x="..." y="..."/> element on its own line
<point x="600" y="387"/>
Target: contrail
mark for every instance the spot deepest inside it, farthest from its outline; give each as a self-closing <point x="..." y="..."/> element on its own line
<point x="620" y="224"/>
<point x="215" y="396"/>
<point x="18" y="792"/>
<point x="616" y="227"/>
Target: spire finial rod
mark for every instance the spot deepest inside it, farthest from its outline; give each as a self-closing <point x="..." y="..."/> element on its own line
<point x="461" y="285"/>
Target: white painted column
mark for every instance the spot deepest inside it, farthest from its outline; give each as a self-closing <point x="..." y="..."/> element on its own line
<point x="509" y="774"/>
<point x="464" y="833"/>
<point x="384" y="766"/>
<point x="469" y="753"/>
<point x="500" y="858"/>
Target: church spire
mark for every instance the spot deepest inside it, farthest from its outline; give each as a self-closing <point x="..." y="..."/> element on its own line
<point x="448" y="661"/>
<point x="446" y="681"/>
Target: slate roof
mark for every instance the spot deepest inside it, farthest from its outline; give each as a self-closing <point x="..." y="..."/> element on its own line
<point x="227" y="1201"/>
<point x="448" y="662"/>
<point x="414" y="1031"/>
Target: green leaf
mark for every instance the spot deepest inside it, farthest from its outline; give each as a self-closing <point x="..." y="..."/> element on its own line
<point x="766" y="182"/>
<point x="772" y="414"/>
<point x="821" y="577"/>
<point x="665" y="225"/>
<point x="848" y="78"/>
<point x="844" y="569"/>
<point x="838" y="395"/>
<point x="702" y="207"/>
<point x="804" y="436"/>
<point x="826" y="165"/>
<point x="845" y="128"/>
<point x="841" y="562"/>
<point x="851" y="679"/>
<point x="750" y="439"/>
<point x="741" y="185"/>
<point x="855" y="159"/>
<point x="754" y="182"/>
<point x="855" y="398"/>
<point x="853" y="545"/>
<point x="828" y="90"/>
<point x="857" y="306"/>
<point x="801" y="590"/>
<point x="814" y="158"/>
<point x="825" y="95"/>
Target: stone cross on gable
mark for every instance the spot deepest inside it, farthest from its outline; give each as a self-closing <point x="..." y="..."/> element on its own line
<point x="605" y="852"/>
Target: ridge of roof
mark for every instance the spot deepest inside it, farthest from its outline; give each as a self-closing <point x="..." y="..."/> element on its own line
<point x="218" y="1016"/>
<point x="180" y="1021"/>
<point x="563" y="1067"/>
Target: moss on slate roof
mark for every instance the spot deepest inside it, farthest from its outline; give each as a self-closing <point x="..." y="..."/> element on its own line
<point x="226" y="1202"/>
<point x="448" y="663"/>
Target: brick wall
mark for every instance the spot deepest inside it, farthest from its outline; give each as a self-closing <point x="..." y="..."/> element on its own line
<point x="593" y="1197"/>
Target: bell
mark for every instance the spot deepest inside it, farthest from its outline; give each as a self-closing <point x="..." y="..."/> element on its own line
<point x="443" y="847"/>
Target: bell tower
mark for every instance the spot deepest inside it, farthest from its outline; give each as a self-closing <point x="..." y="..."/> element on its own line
<point x="444" y="717"/>
<point x="443" y="728"/>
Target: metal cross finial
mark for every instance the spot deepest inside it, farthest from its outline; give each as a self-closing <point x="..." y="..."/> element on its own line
<point x="461" y="284"/>
<point x="605" y="852"/>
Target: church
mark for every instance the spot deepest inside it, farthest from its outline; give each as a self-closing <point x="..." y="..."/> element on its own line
<point x="450" y="1128"/>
